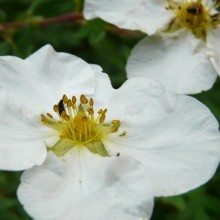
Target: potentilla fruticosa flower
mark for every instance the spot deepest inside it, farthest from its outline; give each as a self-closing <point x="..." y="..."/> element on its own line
<point x="108" y="151"/>
<point x="56" y="114"/>
<point x="183" y="53"/>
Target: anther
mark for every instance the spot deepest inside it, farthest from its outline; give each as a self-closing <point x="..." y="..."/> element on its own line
<point x="84" y="119"/>
<point x="74" y="100"/>
<point x="90" y="111"/>
<point x="83" y="99"/>
<point x="104" y="111"/>
<point x="66" y="117"/>
<point x="62" y="114"/>
<point x="65" y="99"/>
<point x="99" y="111"/>
<point x="69" y="103"/>
<point x="102" y="119"/>
<point x="114" y="129"/>
<point x="56" y="108"/>
<point x="91" y="102"/>
<point x="49" y="115"/>
<point x="44" y="121"/>
<point x="115" y="122"/>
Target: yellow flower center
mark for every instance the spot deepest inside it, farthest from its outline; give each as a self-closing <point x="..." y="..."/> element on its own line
<point x="193" y="15"/>
<point x="79" y="126"/>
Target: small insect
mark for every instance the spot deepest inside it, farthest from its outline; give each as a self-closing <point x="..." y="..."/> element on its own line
<point x="61" y="107"/>
<point x="123" y="134"/>
<point x="195" y="10"/>
<point x="118" y="154"/>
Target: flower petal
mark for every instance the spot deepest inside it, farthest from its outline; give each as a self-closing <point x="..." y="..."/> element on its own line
<point x="22" y="136"/>
<point x="63" y="73"/>
<point x="80" y="187"/>
<point x="213" y="44"/>
<point x="144" y="15"/>
<point x="43" y="78"/>
<point x="128" y="100"/>
<point x="16" y="77"/>
<point x="178" y="61"/>
<point x="171" y="136"/>
<point x="103" y="88"/>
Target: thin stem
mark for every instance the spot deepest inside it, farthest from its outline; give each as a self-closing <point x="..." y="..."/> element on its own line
<point x="44" y="22"/>
<point x="71" y="18"/>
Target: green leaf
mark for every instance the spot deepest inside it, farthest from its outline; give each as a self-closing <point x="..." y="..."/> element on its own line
<point x="96" y="36"/>
<point x="176" y="201"/>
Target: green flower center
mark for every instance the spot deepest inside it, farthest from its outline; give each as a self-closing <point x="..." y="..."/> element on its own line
<point x="78" y="126"/>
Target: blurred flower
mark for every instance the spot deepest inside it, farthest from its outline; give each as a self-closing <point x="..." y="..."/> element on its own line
<point x="147" y="16"/>
<point x="108" y="151"/>
<point x="184" y="55"/>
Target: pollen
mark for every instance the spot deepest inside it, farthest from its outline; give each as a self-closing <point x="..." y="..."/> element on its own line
<point x="194" y="15"/>
<point x="79" y="125"/>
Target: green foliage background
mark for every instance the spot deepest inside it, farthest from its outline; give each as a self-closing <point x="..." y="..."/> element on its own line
<point x="100" y="43"/>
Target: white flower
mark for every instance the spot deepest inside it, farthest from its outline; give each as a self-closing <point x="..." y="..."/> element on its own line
<point x="145" y="15"/>
<point x="79" y="179"/>
<point x="109" y="151"/>
<point x="184" y="55"/>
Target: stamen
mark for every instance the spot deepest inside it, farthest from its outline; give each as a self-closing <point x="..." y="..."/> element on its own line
<point x="104" y="111"/>
<point x="79" y="126"/>
<point x="91" y="102"/>
<point x="66" y="117"/>
<point x="90" y="111"/>
<point x="83" y="99"/>
<point x="84" y="119"/>
<point x="74" y="100"/>
<point x="114" y="122"/>
<point x="62" y="114"/>
<point x="194" y="15"/>
<point x="65" y="99"/>
<point x="114" y="129"/>
<point x="69" y="103"/>
<point x="44" y="121"/>
<point x="100" y="111"/>
<point x="102" y="119"/>
<point x="56" y="108"/>
<point x="49" y="115"/>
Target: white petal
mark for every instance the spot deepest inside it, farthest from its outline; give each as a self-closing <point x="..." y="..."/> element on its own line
<point x="144" y="15"/>
<point x="103" y="88"/>
<point x="80" y="187"/>
<point x="43" y="78"/>
<point x="179" y="62"/>
<point x="17" y="78"/>
<point x="175" y="138"/>
<point x="63" y="73"/>
<point x="213" y="44"/>
<point x="128" y="99"/>
<point x="22" y="136"/>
